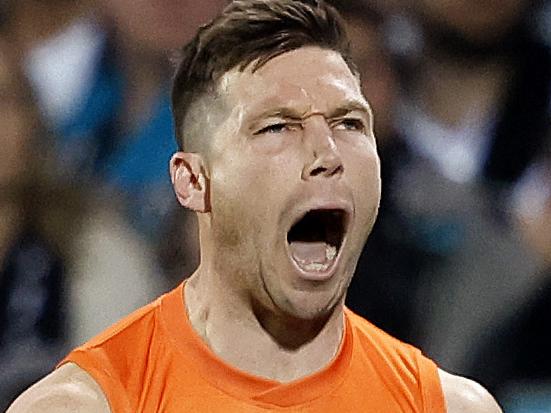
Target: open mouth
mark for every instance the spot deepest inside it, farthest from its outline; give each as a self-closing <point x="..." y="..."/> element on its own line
<point x="315" y="240"/>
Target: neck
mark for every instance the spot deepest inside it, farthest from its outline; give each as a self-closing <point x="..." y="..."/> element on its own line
<point x="285" y="348"/>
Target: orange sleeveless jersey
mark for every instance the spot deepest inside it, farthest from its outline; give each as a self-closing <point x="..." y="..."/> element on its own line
<point x="153" y="361"/>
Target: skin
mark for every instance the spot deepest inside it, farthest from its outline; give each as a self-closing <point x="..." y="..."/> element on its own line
<point x="313" y="158"/>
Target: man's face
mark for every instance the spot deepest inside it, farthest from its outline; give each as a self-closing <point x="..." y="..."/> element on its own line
<point x="294" y="182"/>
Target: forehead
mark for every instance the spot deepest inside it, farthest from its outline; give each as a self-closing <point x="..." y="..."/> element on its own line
<point x="308" y="78"/>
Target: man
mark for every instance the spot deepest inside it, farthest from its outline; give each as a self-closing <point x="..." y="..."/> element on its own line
<point x="279" y="161"/>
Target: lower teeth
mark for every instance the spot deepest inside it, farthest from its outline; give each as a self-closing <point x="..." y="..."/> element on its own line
<point x="330" y="254"/>
<point x="316" y="266"/>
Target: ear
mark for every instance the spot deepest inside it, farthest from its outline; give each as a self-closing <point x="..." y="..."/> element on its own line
<point x="188" y="179"/>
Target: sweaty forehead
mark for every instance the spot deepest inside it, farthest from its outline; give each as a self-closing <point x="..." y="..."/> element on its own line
<point x="309" y="78"/>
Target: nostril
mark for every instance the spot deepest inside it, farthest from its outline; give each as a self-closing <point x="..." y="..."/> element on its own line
<point x="323" y="170"/>
<point x="319" y="170"/>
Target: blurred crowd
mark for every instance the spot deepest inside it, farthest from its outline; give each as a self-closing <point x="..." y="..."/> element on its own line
<point x="459" y="262"/>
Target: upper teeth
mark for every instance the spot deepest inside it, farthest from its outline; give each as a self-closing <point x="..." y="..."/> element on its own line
<point x="330" y="252"/>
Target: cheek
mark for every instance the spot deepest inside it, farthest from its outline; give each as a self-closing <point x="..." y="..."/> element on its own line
<point x="365" y="181"/>
<point x="263" y="173"/>
<point x="244" y="192"/>
<point x="276" y="145"/>
<point x="370" y="176"/>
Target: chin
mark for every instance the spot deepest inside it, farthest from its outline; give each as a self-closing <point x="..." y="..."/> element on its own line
<point x="309" y="303"/>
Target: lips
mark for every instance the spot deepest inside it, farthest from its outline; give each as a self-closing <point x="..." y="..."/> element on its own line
<point x="315" y="239"/>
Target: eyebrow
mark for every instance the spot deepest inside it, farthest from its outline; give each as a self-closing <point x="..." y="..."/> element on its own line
<point x="286" y="112"/>
<point x="352" y="106"/>
<point x="279" y="112"/>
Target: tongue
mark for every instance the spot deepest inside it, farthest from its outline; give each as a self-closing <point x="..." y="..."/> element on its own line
<point x="309" y="252"/>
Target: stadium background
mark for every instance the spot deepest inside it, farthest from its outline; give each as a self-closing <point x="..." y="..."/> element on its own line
<point x="459" y="262"/>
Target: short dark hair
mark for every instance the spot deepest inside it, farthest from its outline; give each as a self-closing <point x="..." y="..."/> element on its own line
<point x="250" y="31"/>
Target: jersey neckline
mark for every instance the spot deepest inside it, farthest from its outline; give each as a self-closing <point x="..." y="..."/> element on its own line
<point x="245" y="386"/>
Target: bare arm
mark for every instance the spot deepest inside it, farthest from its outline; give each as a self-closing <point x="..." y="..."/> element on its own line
<point x="466" y="396"/>
<point x="68" y="389"/>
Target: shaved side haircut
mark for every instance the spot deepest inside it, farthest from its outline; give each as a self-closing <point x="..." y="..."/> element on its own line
<point x="250" y="32"/>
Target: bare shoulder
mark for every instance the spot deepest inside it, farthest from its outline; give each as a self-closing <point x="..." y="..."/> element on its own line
<point x="68" y="389"/>
<point x="464" y="395"/>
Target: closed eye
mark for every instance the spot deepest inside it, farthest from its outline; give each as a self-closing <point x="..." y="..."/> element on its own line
<point x="276" y="128"/>
<point x="350" y="124"/>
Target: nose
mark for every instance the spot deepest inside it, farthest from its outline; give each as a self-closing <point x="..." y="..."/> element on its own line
<point x="326" y="160"/>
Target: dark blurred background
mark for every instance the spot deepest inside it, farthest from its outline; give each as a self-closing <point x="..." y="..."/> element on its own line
<point x="459" y="262"/>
